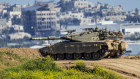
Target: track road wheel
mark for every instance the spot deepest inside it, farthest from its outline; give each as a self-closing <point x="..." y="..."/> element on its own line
<point x="96" y="56"/>
<point x="77" y="55"/>
<point x="69" y="56"/>
<point x="60" y="56"/>
<point x="87" y="56"/>
<point x="102" y="53"/>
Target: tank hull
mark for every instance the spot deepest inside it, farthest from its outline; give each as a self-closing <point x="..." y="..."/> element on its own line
<point x="85" y="50"/>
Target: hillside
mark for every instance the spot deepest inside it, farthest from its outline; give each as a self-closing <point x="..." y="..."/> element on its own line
<point x="127" y="66"/>
<point x="15" y="56"/>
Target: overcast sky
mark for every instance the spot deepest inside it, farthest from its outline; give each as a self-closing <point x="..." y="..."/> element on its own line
<point x="126" y="4"/>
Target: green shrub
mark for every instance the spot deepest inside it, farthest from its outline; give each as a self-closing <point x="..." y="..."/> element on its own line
<point x="67" y="74"/>
<point x="80" y="65"/>
<point x="98" y="70"/>
<point x="105" y="73"/>
<point x="45" y="68"/>
<point x="39" y="69"/>
<point x="31" y="67"/>
<point x="42" y="64"/>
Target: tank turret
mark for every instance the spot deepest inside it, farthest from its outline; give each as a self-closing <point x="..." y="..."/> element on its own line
<point x="91" y="44"/>
<point x="89" y="36"/>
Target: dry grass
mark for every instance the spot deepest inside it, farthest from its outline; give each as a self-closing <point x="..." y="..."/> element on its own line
<point x="24" y="52"/>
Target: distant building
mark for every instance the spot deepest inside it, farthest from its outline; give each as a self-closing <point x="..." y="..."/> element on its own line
<point x="74" y="5"/>
<point x="75" y="18"/>
<point x="4" y="6"/>
<point x="3" y="24"/>
<point x="15" y="14"/>
<point x="70" y="18"/>
<point x="82" y="4"/>
<point x="15" y="7"/>
<point x="70" y="14"/>
<point x="86" y="21"/>
<point x="114" y="13"/>
<point x="18" y="28"/>
<point x="130" y="28"/>
<point x="134" y="16"/>
<point x="42" y="18"/>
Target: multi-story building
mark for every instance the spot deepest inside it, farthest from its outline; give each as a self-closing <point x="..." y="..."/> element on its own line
<point x="15" y="10"/>
<point x="134" y="16"/>
<point x="71" y="15"/>
<point x="102" y="11"/>
<point x="113" y="13"/>
<point x="86" y="21"/>
<point x="3" y="6"/>
<point x="15" y="14"/>
<point x="41" y="18"/>
<point x="82" y="4"/>
<point x="75" y="18"/>
<point x="115" y="17"/>
<point x="75" y="5"/>
<point x="4" y="9"/>
<point x="2" y="23"/>
<point x="4" y="27"/>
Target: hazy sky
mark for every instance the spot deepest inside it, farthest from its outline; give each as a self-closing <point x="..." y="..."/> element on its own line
<point x="126" y="4"/>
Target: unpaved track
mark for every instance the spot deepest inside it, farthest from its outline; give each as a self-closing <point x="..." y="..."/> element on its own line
<point x="126" y="67"/>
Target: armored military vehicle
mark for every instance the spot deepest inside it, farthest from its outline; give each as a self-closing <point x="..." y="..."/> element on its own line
<point x="92" y="44"/>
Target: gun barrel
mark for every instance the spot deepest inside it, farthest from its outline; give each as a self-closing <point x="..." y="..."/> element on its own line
<point x="48" y="38"/>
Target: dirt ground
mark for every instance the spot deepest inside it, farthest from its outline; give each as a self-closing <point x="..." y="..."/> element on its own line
<point x="128" y="66"/>
<point x="24" y="52"/>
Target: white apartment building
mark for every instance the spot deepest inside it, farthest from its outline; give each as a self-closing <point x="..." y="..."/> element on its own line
<point x="15" y="13"/>
<point x="3" y="24"/>
<point x="115" y="18"/>
<point x="114" y="13"/>
<point x="3" y="6"/>
<point x="76" y="5"/>
<point x="47" y="20"/>
<point x="70" y="14"/>
<point x="41" y="17"/>
<point x="82" y="4"/>
<point x="86" y="21"/>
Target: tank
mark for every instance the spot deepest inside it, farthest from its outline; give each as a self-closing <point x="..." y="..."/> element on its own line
<point x="92" y="44"/>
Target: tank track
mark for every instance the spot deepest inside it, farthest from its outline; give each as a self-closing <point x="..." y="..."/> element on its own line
<point x="75" y="56"/>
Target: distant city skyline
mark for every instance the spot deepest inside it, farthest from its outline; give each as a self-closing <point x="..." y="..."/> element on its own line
<point x="128" y="5"/>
